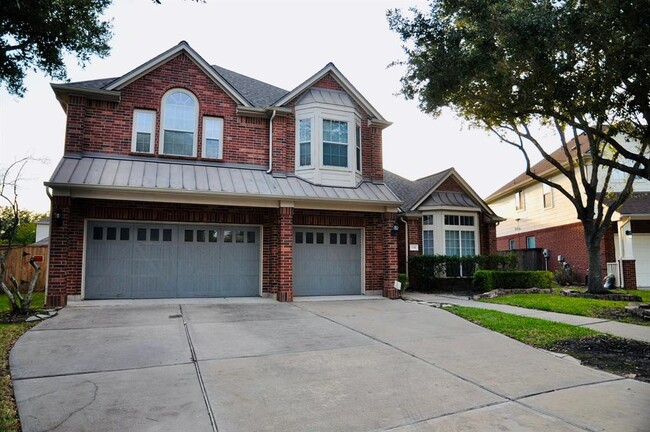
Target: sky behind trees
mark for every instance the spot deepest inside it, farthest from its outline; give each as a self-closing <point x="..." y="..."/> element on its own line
<point x="279" y="42"/>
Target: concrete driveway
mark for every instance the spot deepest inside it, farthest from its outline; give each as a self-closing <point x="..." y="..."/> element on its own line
<point x="308" y="366"/>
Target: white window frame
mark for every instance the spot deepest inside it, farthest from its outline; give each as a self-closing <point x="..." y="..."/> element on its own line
<point x="134" y="133"/>
<point x="204" y="138"/>
<point x="428" y="226"/>
<point x="358" y="148"/>
<point x="520" y="203"/>
<point x="348" y="159"/>
<point x="195" y="132"/>
<point x="311" y="119"/>
<point x="547" y="190"/>
<point x="534" y="241"/>
<point x="511" y="244"/>
<point x="471" y="228"/>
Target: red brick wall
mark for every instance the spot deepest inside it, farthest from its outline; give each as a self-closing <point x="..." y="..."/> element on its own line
<point x="66" y="242"/>
<point x="567" y="240"/>
<point x="629" y="274"/>
<point x="450" y="185"/>
<point x="106" y="127"/>
<point x="488" y="235"/>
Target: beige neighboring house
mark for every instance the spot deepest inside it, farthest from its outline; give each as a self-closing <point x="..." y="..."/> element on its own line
<point x="539" y="217"/>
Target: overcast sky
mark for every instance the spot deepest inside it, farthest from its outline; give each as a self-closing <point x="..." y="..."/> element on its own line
<point x="279" y="42"/>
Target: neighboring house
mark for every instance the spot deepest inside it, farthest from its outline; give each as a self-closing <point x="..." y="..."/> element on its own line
<point x="182" y="179"/>
<point x="442" y="215"/>
<point x="43" y="231"/>
<point x="541" y="217"/>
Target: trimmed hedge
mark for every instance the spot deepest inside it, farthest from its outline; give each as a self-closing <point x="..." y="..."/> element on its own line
<point x="487" y="280"/>
<point x="426" y="271"/>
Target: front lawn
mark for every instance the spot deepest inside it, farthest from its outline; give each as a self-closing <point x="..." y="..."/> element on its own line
<point x="592" y="348"/>
<point x="9" y="333"/>
<point x="595" y="308"/>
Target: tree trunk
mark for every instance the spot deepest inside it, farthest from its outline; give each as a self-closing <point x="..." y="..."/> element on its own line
<point x="593" y="239"/>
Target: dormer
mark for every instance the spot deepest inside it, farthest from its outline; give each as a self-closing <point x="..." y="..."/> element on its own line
<point x="328" y="138"/>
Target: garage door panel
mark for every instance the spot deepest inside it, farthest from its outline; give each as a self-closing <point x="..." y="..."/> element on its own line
<point x="327" y="262"/>
<point x="163" y="261"/>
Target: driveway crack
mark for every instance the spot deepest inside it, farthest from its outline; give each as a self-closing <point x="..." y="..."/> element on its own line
<point x="197" y="368"/>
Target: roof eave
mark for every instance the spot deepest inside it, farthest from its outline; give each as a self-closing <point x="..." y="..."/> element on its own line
<point x="64" y="91"/>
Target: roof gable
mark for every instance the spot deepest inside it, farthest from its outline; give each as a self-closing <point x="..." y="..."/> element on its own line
<point x="182" y="48"/>
<point x="345" y="86"/>
<point x="432" y="190"/>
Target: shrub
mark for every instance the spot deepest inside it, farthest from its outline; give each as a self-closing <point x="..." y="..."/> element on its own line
<point x="563" y="277"/>
<point x="404" y="280"/>
<point x="487" y="280"/>
<point x="426" y="270"/>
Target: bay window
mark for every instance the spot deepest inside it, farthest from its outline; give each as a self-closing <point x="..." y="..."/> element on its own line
<point x="335" y="143"/>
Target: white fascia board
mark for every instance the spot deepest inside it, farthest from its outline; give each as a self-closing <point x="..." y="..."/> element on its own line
<point x="168" y="55"/>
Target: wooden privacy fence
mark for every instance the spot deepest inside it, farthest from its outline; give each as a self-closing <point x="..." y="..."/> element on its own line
<point x="18" y="264"/>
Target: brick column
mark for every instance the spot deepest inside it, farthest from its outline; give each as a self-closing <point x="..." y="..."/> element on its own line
<point x="57" y="281"/>
<point x="285" y="254"/>
<point x="629" y="274"/>
<point x="390" y="255"/>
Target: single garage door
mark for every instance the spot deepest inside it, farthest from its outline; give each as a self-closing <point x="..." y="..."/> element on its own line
<point x="642" y="256"/>
<point x="146" y="260"/>
<point x="326" y="261"/>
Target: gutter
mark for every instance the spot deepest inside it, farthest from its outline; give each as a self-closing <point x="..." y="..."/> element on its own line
<point x="271" y="143"/>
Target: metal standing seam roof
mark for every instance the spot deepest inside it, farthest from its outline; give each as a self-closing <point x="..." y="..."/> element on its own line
<point x="451" y="199"/>
<point x="144" y="174"/>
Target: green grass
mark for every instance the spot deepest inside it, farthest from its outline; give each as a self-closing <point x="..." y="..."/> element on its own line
<point x="594" y="308"/>
<point x="532" y="331"/>
<point x="9" y="333"/>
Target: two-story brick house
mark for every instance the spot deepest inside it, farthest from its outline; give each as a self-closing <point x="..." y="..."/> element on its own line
<point x="541" y="217"/>
<point x="182" y="179"/>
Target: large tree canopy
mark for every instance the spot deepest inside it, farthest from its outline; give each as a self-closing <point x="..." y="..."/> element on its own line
<point x="572" y="65"/>
<point x="582" y="64"/>
<point x="35" y="35"/>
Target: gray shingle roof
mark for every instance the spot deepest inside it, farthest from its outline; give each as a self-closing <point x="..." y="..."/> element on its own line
<point x="412" y="191"/>
<point x="142" y="174"/>
<point x="258" y="93"/>
<point x="637" y="204"/>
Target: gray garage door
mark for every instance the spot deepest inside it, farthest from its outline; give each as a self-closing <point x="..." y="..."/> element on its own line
<point x="326" y="261"/>
<point x="131" y="260"/>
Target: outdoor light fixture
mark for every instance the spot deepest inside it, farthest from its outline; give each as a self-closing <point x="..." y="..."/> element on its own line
<point x="57" y="216"/>
<point x="393" y="231"/>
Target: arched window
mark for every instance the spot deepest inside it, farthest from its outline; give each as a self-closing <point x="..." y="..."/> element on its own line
<point x="180" y="113"/>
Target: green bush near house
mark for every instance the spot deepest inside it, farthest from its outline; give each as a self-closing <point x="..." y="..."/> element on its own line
<point x="487" y="280"/>
<point x="427" y="271"/>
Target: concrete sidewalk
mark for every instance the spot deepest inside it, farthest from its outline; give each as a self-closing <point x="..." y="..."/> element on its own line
<point x="627" y="331"/>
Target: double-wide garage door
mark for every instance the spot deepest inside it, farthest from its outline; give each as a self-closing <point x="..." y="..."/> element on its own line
<point x="327" y="261"/>
<point x="140" y="260"/>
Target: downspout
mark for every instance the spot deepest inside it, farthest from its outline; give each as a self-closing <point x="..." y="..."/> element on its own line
<point x="406" y="243"/>
<point x="271" y="143"/>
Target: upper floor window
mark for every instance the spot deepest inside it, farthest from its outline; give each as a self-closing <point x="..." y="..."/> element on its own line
<point x="427" y="220"/>
<point x="144" y="122"/>
<point x="335" y="143"/>
<point x="519" y="200"/>
<point x="180" y="112"/>
<point x="357" y="137"/>
<point x="547" y="195"/>
<point x="304" y="142"/>
<point x="212" y="137"/>
<point x="459" y="220"/>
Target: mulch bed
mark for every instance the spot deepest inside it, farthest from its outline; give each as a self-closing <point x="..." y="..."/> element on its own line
<point x="620" y="356"/>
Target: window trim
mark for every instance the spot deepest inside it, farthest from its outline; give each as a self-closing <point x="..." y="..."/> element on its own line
<point x="204" y="137"/>
<point x="548" y="192"/>
<point x="534" y="241"/>
<point x="520" y="203"/>
<point x="322" y="121"/>
<point x="195" y="133"/>
<point x="358" y="148"/>
<point x="311" y="119"/>
<point x="134" y="131"/>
